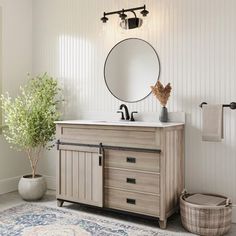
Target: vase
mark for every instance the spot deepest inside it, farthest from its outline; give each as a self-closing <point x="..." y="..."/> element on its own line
<point x="163" y="115"/>
<point x="31" y="189"/>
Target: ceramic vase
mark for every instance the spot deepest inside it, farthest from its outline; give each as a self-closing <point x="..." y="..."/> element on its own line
<point x="31" y="189"/>
<point x="163" y="115"/>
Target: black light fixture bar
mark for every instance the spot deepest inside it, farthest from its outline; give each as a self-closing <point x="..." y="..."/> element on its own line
<point x="127" y="23"/>
<point x="123" y="16"/>
<point x="124" y="10"/>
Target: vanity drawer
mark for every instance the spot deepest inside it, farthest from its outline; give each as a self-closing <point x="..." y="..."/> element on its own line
<point x="132" y="180"/>
<point x="138" y="137"/>
<point x="134" y="202"/>
<point x="145" y="161"/>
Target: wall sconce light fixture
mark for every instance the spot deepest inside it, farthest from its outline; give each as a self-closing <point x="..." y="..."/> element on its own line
<point x="127" y="23"/>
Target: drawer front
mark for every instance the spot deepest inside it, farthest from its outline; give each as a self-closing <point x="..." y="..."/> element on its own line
<point x="133" y="202"/>
<point x="112" y="136"/>
<point x="132" y="180"/>
<point x="133" y="160"/>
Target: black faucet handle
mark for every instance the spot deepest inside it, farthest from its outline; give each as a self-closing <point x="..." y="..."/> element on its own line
<point x="132" y="115"/>
<point x="122" y="114"/>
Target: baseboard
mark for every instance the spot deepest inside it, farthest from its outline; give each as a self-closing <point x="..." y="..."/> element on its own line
<point x="9" y="184"/>
<point x="51" y="182"/>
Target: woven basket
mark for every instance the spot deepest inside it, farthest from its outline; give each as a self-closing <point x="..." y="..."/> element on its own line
<point x="205" y="220"/>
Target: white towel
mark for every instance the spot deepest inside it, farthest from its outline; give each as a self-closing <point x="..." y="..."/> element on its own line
<point x="212" y="123"/>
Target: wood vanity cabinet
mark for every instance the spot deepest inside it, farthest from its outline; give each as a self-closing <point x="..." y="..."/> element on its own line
<point x="131" y="169"/>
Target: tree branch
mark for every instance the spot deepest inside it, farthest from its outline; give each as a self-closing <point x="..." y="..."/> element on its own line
<point x="29" y="154"/>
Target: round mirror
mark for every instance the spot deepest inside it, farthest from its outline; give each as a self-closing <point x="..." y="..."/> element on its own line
<point x="131" y="67"/>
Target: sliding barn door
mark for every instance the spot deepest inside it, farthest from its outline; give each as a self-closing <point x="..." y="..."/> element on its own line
<point x="80" y="175"/>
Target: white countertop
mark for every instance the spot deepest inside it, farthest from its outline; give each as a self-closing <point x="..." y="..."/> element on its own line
<point x="119" y="123"/>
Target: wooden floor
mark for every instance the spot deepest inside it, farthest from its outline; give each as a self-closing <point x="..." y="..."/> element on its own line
<point x="174" y="224"/>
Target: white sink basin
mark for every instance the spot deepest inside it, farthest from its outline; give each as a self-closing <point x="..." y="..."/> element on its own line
<point x="100" y="121"/>
<point x="115" y="121"/>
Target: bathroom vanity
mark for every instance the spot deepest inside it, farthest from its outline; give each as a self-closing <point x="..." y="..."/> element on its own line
<point x="134" y="167"/>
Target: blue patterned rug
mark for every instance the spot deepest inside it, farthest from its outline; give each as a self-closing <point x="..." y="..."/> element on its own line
<point x="37" y="220"/>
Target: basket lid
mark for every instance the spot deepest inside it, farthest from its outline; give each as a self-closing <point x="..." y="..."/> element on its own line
<point x="204" y="199"/>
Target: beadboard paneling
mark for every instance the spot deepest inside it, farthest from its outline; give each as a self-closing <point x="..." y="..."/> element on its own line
<point x="16" y="61"/>
<point x="195" y="41"/>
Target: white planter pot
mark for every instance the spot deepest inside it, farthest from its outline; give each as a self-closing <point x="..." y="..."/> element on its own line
<point x="32" y="189"/>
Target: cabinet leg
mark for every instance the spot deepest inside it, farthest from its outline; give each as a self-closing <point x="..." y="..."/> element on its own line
<point x="163" y="224"/>
<point x="60" y="203"/>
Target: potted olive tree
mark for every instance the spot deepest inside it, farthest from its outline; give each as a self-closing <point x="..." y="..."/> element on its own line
<point x="30" y="128"/>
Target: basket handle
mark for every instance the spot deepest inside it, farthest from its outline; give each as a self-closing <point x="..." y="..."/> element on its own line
<point x="184" y="192"/>
<point x="228" y="202"/>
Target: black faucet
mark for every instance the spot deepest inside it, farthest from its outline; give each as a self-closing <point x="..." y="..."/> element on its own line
<point x="126" y="111"/>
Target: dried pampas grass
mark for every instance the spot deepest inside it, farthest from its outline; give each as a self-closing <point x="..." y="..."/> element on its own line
<point x="162" y="93"/>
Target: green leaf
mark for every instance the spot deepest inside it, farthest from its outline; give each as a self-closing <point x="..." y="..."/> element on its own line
<point x="30" y="116"/>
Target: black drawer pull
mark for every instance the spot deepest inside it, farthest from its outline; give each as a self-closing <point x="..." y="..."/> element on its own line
<point x="131" y="181"/>
<point x="131" y="201"/>
<point x="131" y="159"/>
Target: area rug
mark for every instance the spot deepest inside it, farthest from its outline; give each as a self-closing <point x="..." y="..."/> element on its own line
<point x="37" y="220"/>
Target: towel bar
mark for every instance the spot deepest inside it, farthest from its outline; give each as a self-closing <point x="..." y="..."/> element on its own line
<point x="232" y="105"/>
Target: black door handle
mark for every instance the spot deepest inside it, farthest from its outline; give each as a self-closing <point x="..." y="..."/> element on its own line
<point x="131" y="201"/>
<point x="131" y="159"/>
<point x="131" y="180"/>
<point x="100" y="154"/>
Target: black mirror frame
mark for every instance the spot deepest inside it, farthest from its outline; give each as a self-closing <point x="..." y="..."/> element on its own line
<point x="158" y="77"/>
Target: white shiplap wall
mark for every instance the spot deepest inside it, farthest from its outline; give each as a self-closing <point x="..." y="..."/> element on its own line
<point x="16" y="61"/>
<point x="195" y="40"/>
